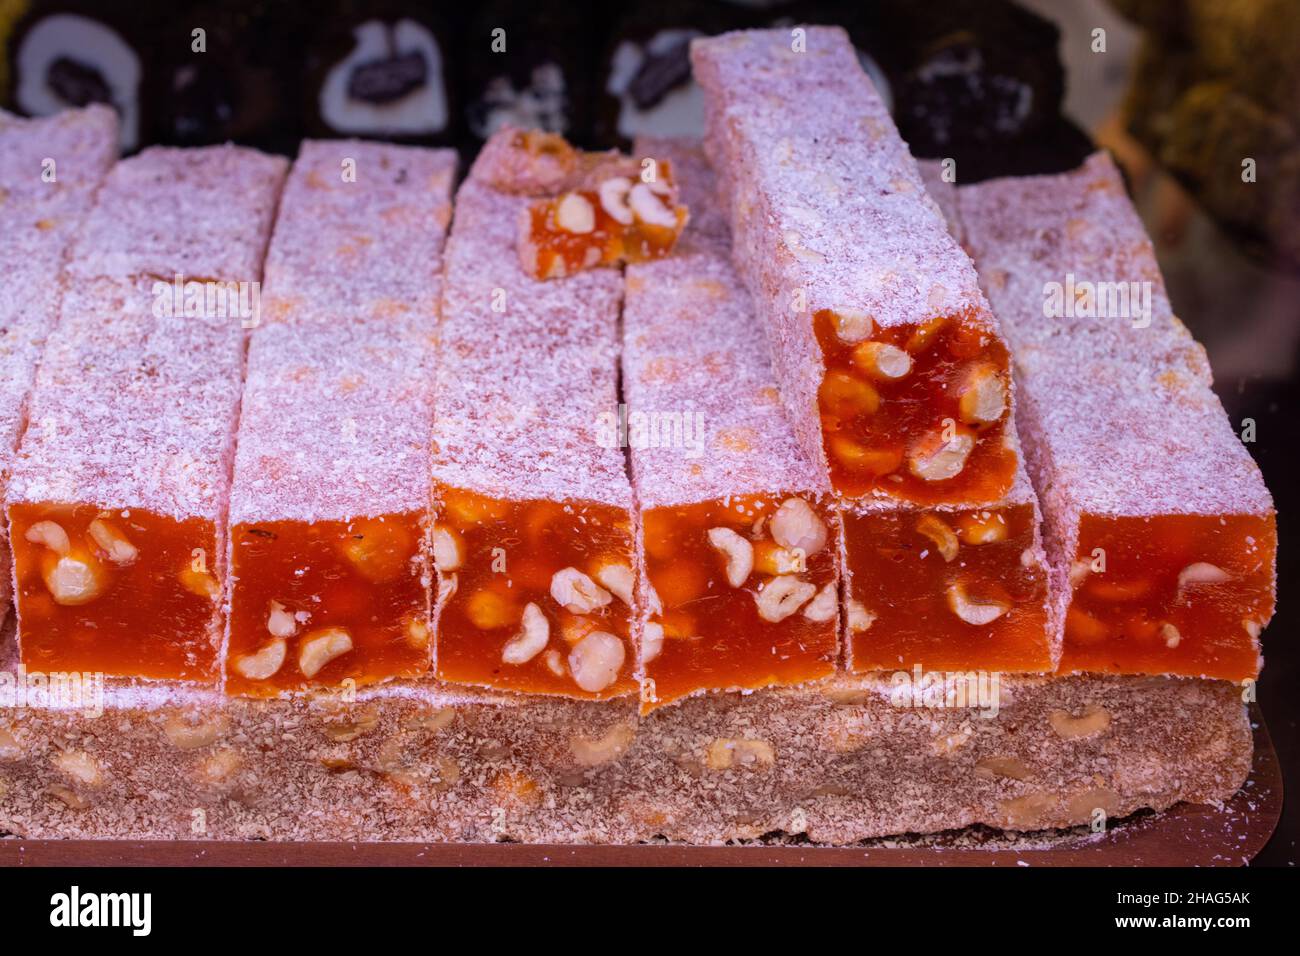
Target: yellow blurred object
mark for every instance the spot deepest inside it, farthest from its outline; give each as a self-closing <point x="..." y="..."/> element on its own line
<point x="11" y="12"/>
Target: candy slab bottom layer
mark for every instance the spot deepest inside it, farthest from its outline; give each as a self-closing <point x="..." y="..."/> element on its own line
<point x="838" y="763"/>
<point x="1188" y="834"/>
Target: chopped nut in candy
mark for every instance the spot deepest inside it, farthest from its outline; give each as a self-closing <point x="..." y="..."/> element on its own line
<point x="735" y="602"/>
<point x="948" y="590"/>
<point x="892" y="369"/>
<point x="537" y="595"/>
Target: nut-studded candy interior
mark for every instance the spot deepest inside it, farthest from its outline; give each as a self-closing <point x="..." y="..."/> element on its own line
<point x="916" y="411"/>
<point x="534" y="596"/>
<point x="122" y="591"/>
<point x="745" y="595"/>
<point x="946" y="590"/>
<point x="362" y="579"/>
<point x="1170" y="594"/>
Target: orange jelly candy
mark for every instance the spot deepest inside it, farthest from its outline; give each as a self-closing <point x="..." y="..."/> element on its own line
<point x="918" y="412"/>
<point x="1170" y="594"/>
<point x="747" y="595"/>
<point x="621" y="219"/>
<point x="534" y="596"/>
<point x="956" y="590"/>
<point x="325" y="602"/>
<point x="122" y="592"/>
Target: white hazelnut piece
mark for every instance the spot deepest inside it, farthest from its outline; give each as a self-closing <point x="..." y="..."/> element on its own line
<point x="945" y="460"/>
<point x="265" y="663"/>
<point x="280" y="621"/>
<point x="49" y="534"/>
<point x="534" y="633"/>
<point x="576" y="592"/>
<point x="974" y="612"/>
<point x="320" y="647"/>
<point x="575" y="214"/>
<point x="112" y="542"/>
<point x="71" y="581"/>
<point x="783" y="596"/>
<point x="596" y="660"/>
<point x="738" y="552"/>
<point x="796" y="525"/>
<point x="613" y="199"/>
<point x="448" y="552"/>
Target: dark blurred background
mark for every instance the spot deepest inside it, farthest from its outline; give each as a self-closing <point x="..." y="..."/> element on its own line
<point x="1184" y="92"/>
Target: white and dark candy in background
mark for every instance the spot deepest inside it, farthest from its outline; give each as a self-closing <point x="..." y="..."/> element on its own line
<point x="382" y="69"/>
<point x="71" y="54"/>
<point x="979" y="81"/>
<point x="531" y="65"/>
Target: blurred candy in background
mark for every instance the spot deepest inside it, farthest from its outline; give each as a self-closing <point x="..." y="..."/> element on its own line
<point x="531" y="66"/>
<point x="380" y="70"/>
<point x="61" y="55"/>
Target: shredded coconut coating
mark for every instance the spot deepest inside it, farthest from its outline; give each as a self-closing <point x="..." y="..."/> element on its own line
<point x="944" y="194"/>
<point x="524" y="393"/>
<point x="135" y="405"/>
<point x="335" y="420"/>
<point x="361" y="229"/>
<point x="693" y="347"/>
<point x="826" y="202"/>
<point x="1120" y="420"/>
<point x="834" y="763"/>
<point x="131" y="410"/>
<point x="201" y="213"/>
<point x="338" y="400"/>
<point x="42" y="205"/>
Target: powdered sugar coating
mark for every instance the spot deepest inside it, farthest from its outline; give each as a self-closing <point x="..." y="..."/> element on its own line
<point x="361" y="229"/>
<point x="1034" y="235"/>
<point x="693" y="346"/>
<point x="203" y="213"/>
<point x="827" y="206"/>
<point x="1119" y="420"/>
<point x="524" y="392"/>
<point x="338" y="402"/>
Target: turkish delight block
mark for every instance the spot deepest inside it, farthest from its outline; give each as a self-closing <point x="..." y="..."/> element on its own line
<point x="739" y="530"/>
<point x="596" y="209"/>
<point x="889" y="361"/>
<point x="117" y="504"/>
<point x="948" y="589"/>
<point x="329" y="558"/>
<point x="361" y="230"/>
<point x="533" y="538"/>
<point x="1161" y="534"/>
<point x="837" y="762"/>
<point x="49" y="171"/>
